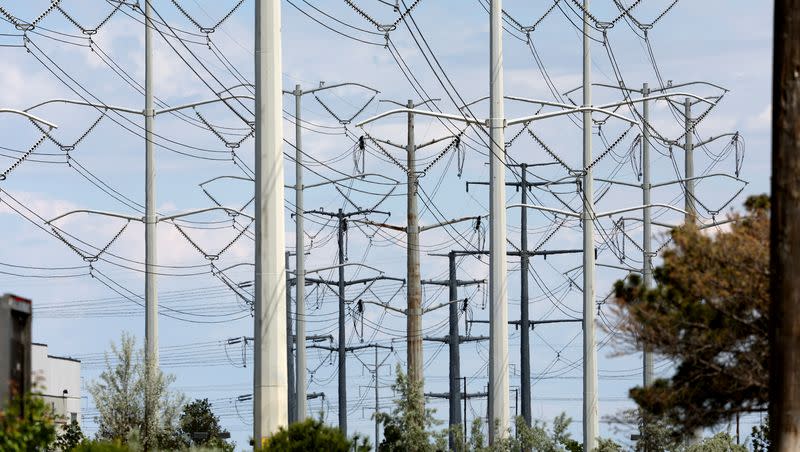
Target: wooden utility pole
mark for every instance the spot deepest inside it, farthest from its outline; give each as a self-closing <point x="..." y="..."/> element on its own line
<point x="785" y="234"/>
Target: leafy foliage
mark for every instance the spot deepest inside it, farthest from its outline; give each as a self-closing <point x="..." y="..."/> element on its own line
<point x="120" y="396"/>
<point x="760" y="437"/>
<point x="536" y="437"/>
<point x="197" y="416"/>
<point x="26" y="424"/>
<point x="70" y="437"/>
<point x="409" y="427"/>
<point x="708" y="314"/>
<point x="313" y="434"/>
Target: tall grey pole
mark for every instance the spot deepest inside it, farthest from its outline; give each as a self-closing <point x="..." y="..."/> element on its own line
<point x="691" y="214"/>
<point x="377" y="406"/>
<point x="150" y="222"/>
<point x="300" y="263"/>
<point x="455" y="355"/>
<point x="342" y="340"/>
<point x="414" y="311"/>
<point x="590" y="421"/>
<point x="498" y="283"/>
<point x="269" y="370"/>
<point x="647" y="252"/>
<point x="289" y="355"/>
<point x="524" y="320"/>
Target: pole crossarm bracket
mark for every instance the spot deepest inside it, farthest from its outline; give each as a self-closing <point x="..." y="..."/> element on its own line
<point x="230" y="211"/>
<point x="29" y="116"/>
<point x="96" y="212"/>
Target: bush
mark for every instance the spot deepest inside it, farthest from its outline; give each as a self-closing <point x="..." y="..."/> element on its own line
<point x="313" y="434"/>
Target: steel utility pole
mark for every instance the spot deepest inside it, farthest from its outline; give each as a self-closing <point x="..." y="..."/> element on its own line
<point x="342" y="220"/>
<point x="300" y="266"/>
<point x="524" y="322"/>
<point x="462" y="396"/>
<point x="342" y="350"/>
<point x="590" y="421"/>
<point x="498" y="282"/>
<point x="647" y="251"/>
<point x="454" y="340"/>
<point x="785" y="234"/>
<point x="270" y="372"/>
<point x="289" y="344"/>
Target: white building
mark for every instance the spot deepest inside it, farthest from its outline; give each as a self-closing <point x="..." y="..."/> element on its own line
<point x="59" y="380"/>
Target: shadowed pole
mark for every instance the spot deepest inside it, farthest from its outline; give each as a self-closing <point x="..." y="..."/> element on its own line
<point x="784" y="385"/>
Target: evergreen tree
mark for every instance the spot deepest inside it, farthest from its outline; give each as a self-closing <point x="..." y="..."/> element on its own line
<point x="709" y="315"/>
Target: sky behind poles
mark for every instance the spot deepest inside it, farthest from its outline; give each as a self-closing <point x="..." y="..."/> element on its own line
<point x="86" y="294"/>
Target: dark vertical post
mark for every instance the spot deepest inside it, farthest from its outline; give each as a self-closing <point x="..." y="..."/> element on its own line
<point x="342" y="349"/>
<point x="465" y="413"/>
<point x="784" y="314"/>
<point x="455" y="358"/>
<point x="525" y="330"/>
<point x="289" y="340"/>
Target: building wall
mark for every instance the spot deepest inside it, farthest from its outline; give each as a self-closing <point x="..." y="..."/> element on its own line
<point x="52" y="375"/>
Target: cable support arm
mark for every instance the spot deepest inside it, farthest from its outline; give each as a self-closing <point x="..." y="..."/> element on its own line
<point x="202" y="102"/>
<point x="29" y="116"/>
<point x="360" y="176"/>
<point x="96" y="212"/>
<point x="449" y="222"/>
<point x="466" y="119"/>
<point x="347" y="264"/>
<point x="714" y="138"/>
<point x="323" y="87"/>
<point x="459" y="282"/>
<point x="443" y="304"/>
<point x="230" y="211"/>
<point x="88" y="104"/>
<point x="419" y="104"/>
<point x="382" y="225"/>
<point x="361" y="347"/>
<point x="677" y="181"/>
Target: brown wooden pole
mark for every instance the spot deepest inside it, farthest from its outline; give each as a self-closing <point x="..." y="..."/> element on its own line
<point x="785" y="232"/>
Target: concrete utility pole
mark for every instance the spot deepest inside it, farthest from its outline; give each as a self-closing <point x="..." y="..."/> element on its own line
<point x="270" y="372"/>
<point x="647" y="247"/>
<point x="590" y="421"/>
<point x="300" y="266"/>
<point x="150" y="223"/>
<point x="454" y="340"/>
<point x="341" y="283"/>
<point x="498" y="282"/>
<point x="784" y="329"/>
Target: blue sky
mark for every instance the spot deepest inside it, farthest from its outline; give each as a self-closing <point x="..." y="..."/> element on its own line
<point x="724" y="42"/>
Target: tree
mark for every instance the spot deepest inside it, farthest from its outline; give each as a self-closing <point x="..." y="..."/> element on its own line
<point x="313" y="434"/>
<point x="708" y="314"/>
<point x="71" y="436"/>
<point x="409" y="427"/>
<point x="26" y="424"/>
<point x="536" y="437"/>
<point x="197" y="417"/>
<point x="119" y="396"/>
